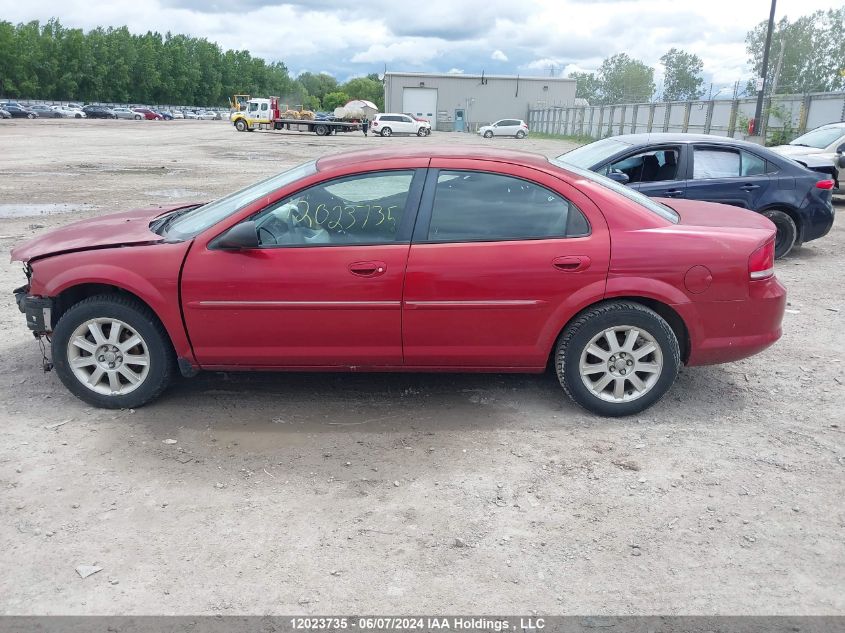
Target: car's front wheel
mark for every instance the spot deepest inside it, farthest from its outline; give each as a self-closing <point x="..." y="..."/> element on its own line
<point x="787" y="232"/>
<point x="241" y="126"/>
<point x="488" y="134"/>
<point x="421" y="132"/>
<point x="617" y="358"/>
<point x="112" y="352"/>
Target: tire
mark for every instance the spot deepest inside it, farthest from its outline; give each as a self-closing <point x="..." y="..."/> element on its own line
<point x="421" y="132"/>
<point x="77" y="116"/>
<point x="321" y="130"/>
<point x="136" y="320"/>
<point x="520" y="134"/>
<point x="787" y="231"/>
<point x="488" y="134"/>
<point x="660" y="366"/>
<point x="30" y="116"/>
<point x="428" y="131"/>
<point x="386" y="131"/>
<point x="137" y="117"/>
<point x="241" y="126"/>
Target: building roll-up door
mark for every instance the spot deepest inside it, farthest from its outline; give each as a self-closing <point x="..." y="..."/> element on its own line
<point x="421" y="102"/>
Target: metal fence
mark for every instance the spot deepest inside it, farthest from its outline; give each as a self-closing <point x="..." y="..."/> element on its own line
<point x="784" y="115"/>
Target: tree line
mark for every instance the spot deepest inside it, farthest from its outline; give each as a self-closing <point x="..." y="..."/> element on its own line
<point x="807" y="55"/>
<point x="49" y="61"/>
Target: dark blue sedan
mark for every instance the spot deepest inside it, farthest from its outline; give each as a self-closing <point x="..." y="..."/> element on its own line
<point x="717" y="169"/>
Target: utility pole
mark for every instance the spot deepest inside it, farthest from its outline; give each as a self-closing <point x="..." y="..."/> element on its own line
<point x="758" y="112"/>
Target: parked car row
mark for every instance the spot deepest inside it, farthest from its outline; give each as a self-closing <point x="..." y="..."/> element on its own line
<point x="13" y="109"/>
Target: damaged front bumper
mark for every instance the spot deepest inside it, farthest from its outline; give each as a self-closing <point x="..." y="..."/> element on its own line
<point x="38" y="311"/>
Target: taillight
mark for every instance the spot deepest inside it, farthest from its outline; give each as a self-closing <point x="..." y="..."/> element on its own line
<point x="825" y="184"/>
<point x="761" y="264"/>
<point x="375" y="123"/>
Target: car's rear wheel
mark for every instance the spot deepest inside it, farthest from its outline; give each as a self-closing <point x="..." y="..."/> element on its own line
<point x="617" y="358"/>
<point x="137" y="117"/>
<point x="488" y="134"/>
<point x="787" y="232"/>
<point x="112" y="352"/>
<point x="30" y="116"/>
<point x="386" y="131"/>
<point x="520" y="134"/>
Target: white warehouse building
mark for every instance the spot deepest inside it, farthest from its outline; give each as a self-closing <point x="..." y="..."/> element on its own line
<point x="463" y="103"/>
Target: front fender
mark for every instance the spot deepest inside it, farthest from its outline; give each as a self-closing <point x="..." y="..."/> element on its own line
<point x="149" y="272"/>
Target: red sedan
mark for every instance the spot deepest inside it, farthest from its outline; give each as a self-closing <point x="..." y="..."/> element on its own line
<point x="449" y="260"/>
<point x="148" y="114"/>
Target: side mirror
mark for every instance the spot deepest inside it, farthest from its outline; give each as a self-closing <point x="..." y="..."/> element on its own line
<point x="619" y="176"/>
<point x="840" y="161"/>
<point x="840" y="149"/>
<point x="239" y="237"/>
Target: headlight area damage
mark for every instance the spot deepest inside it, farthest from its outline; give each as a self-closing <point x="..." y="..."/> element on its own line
<point x="39" y="316"/>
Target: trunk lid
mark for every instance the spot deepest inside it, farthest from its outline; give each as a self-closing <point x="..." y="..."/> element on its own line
<point x="698" y="213"/>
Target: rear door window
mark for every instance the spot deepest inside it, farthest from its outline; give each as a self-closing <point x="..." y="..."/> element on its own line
<point x="715" y="163"/>
<point x="479" y="206"/>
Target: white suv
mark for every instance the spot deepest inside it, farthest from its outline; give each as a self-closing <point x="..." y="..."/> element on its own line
<point x="505" y="127"/>
<point x="393" y="123"/>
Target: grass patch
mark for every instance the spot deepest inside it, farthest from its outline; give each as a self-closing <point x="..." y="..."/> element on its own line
<point x="573" y="138"/>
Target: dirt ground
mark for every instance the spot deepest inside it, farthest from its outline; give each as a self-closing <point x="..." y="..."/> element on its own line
<point x="410" y="493"/>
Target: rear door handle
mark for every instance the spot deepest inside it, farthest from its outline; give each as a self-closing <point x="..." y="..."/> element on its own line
<point x="571" y="263"/>
<point x="673" y="193"/>
<point x="367" y="269"/>
<point x="750" y="187"/>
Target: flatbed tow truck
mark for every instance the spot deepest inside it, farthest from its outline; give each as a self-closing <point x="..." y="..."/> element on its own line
<point x="268" y="114"/>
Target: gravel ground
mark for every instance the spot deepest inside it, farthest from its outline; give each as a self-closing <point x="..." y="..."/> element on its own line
<point x="402" y="493"/>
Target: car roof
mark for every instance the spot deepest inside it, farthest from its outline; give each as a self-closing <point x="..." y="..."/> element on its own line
<point x="476" y="152"/>
<point x="669" y="137"/>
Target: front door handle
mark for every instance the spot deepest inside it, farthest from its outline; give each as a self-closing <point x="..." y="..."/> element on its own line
<point x="673" y="193"/>
<point x="571" y="263"/>
<point x="367" y="269"/>
<point x="750" y="187"/>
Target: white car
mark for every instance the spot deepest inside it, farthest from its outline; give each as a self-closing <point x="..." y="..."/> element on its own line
<point x="190" y="114"/>
<point x="505" y="127"/>
<point x="205" y="115"/>
<point x="69" y="112"/>
<point x="822" y="149"/>
<point x="390" y="123"/>
<point x="177" y="114"/>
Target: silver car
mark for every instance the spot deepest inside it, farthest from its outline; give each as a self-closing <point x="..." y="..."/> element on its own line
<point x="822" y="149"/>
<point x="127" y="113"/>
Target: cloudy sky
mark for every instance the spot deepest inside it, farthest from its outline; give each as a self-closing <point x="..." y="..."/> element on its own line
<point x="530" y="37"/>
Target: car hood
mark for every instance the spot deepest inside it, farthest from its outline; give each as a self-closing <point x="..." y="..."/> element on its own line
<point x="117" y="229"/>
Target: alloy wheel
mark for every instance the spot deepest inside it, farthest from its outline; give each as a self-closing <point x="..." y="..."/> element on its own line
<point x="108" y="356"/>
<point x="621" y="363"/>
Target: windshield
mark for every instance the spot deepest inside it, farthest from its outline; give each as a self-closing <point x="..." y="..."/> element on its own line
<point x="635" y="196"/>
<point x="588" y="156"/>
<point x="820" y="138"/>
<point x="198" y="220"/>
